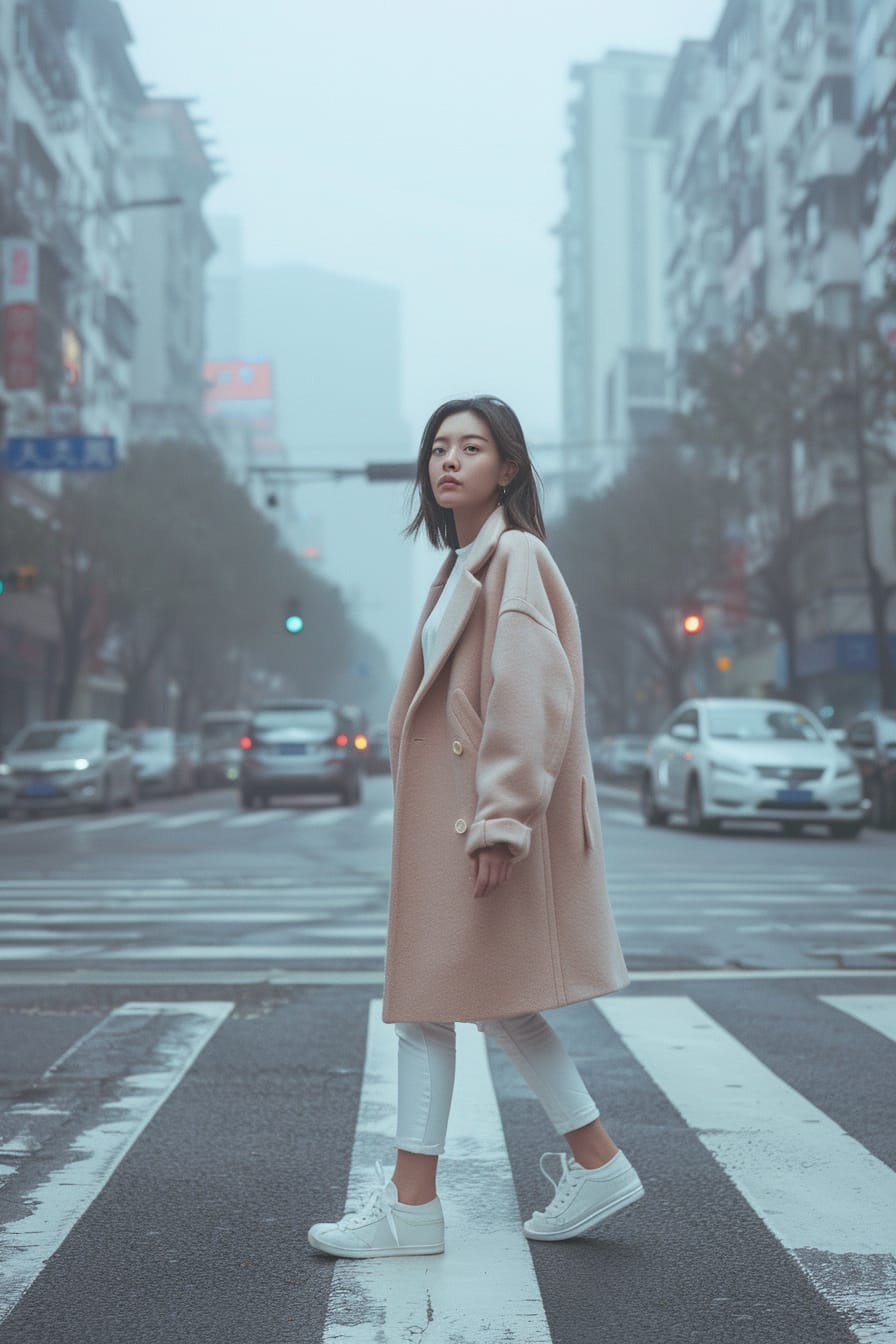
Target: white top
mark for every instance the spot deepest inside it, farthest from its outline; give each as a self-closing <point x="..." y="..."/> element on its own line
<point x="434" y="620"/>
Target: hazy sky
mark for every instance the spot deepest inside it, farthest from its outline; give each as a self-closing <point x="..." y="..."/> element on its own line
<point x="413" y="143"/>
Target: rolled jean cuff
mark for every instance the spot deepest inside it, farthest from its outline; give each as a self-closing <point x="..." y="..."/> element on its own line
<point x="425" y="1149"/>
<point x="578" y="1119"/>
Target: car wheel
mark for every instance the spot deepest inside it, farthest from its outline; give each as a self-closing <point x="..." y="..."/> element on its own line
<point x="653" y="815"/>
<point x="846" y="830"/>
<point x="792" y="828"/>
<point x="104" y="802"/>
<point x="697" y="821"/>
<point x="247" y="799"/>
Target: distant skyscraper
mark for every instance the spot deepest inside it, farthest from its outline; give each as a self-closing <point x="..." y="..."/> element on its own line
<point x="611" y="268"/>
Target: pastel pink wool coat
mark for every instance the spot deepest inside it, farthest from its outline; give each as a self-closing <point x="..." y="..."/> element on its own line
<point x="489" y="746"/>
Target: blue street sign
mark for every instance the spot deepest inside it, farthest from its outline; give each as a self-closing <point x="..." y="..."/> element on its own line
<point x="62" y="452"/>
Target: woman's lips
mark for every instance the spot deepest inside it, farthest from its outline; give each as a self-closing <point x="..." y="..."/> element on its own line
<point x="444" y="485"/>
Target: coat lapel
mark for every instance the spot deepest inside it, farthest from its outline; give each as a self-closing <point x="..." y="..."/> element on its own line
<point x="459" y="608"/>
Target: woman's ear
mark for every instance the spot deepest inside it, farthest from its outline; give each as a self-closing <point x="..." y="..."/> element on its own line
<point x="508" y="472"/>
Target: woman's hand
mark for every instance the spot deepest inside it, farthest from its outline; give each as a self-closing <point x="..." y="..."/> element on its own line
<point x="491" y="868"/>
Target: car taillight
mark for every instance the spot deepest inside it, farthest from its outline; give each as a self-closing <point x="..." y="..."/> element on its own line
<point x="361" y="742"/>
<point x="342" y="740"/>
<point x="245" y="743"/>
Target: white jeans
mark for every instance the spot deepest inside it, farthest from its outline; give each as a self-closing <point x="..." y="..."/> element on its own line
<point x="426" y="1053"/>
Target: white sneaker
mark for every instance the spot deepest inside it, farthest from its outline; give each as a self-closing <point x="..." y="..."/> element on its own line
<point x="583" y="1197"/>
<point x="382" y="1227"/>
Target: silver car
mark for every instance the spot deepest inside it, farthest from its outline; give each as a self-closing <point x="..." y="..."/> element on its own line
<point x="161" y="760"/>
<point x="301" y="746"/>
<point x="750" y="760"/>
<point x="67" y="762"/>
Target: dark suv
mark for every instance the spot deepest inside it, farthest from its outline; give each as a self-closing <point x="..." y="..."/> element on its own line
<point x="299" y="746"/>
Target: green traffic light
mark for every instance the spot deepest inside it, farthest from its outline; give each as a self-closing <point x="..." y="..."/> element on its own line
<point x="294" y="624"/>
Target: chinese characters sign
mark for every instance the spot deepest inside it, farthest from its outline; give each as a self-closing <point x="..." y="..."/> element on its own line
<point x="19" y="259"/>
<point x="73" y="452"/>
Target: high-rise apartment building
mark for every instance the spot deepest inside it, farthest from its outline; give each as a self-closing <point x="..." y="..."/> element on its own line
<point x="612" y="251"/>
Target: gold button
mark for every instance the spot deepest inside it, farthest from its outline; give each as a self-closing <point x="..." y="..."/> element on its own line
<point x="460" y="826"/>
<point x="457" y="748"/>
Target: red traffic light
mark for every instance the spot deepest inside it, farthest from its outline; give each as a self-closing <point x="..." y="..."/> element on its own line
<point x="693" y="623"/>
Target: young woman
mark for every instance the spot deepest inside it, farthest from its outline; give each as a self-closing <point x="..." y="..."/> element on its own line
<point x="498" y="907"/>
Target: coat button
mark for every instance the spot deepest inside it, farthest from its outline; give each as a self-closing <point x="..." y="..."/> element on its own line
<point x="457" y="748"/>
<point x="460" y="826"/>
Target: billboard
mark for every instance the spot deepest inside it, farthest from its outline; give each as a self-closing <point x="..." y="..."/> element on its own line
<point x="243" y="387"/>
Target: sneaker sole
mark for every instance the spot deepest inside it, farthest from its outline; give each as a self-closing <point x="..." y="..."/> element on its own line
<point x="585" y="1224"/>
<point x="372" y="1253"/>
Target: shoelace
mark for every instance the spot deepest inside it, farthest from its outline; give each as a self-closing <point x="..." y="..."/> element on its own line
<point x="565" y="1188"/>
<point x="375" y="1206"/>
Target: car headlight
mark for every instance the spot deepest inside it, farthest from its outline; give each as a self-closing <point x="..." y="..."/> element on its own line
<point x="728" y="768"/>
<point x="82" y="764"/>
<point x="4" y="768"/>
<point x="847" y="772"/>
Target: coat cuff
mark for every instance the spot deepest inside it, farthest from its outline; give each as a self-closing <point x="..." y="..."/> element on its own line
<point x="500" y="831"/>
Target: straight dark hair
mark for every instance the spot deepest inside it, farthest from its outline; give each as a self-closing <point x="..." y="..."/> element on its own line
<point x="521" y="503"/>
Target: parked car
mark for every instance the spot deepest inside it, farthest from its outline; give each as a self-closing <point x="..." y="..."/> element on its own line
<point x="192" y="749"/>
<point x="870" y="740"/>
<point x="755" y="760"/>
<point x="161" y="760"/>
<point x="377" y="756"/>
<point x="300" y="746"/>
<point x="620" y="757"/>
<point x="220" y="733"/>
<point x="67" y="762"/>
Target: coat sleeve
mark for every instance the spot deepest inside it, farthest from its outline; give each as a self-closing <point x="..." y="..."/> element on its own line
<point x="526" y="727"/>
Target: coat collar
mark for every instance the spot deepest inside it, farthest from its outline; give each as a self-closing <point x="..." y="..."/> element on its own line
<point x="456" y="614"/>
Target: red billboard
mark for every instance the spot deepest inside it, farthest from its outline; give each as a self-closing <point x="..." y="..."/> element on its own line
<point x="243" y="387"/>
<point x="19" y="313"/>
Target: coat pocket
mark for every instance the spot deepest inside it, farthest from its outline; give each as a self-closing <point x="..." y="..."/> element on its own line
<point x="586" y="820"/>
<point x="469" y="720"/>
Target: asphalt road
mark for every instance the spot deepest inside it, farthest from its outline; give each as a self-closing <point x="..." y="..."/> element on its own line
<point x="191" y="1072"/>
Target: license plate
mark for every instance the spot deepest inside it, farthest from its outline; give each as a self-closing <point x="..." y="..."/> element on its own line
<point x="795" y="795"/>
<point x="293" y="749"/>
<point x="40" y="788"/>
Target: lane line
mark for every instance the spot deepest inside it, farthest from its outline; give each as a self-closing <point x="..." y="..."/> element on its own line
<point x="873" y="1010"/>
<point x="47" y="824"/>
<point x="193" y="818"/>
<point x="384" y="817"/>
<point x="256" y="818"/>
<point x="275" y="953"/>
<point x="484" y="1286"/>
<point x="828" y="1201"/>
<point x="113" y="823"/>
<point x="329" y="817"/>
<point x="115" y="1079"/>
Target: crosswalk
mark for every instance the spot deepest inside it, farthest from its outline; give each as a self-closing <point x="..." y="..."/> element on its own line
<point x="706" y="920"/>
<point x="305" y="818"/>
<point x="805" y="1186"/>
<point x="276" y="922"/>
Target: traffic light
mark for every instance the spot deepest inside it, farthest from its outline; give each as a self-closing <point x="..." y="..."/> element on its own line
<point x="292" y="617"/>
<point x="692" y="623"/>
<point x="19" y="579"/>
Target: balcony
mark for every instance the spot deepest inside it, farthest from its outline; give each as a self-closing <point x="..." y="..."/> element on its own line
<point x="41" y="52"/>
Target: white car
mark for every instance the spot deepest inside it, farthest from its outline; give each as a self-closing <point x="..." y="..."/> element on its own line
<point x="753" y="760"/>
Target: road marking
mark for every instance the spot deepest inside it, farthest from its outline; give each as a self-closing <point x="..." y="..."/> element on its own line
<point x="829" y="1202"/>
<point x="384" y="817"/>
<point x="855" y="926"/>
<point x="193" y="818"/>
<point x="114" y="1079"/>
<point x="256" y="818"/>
<point x="112" y="823"/>
<point x="49" y="922"/>
<point x="873" y="1010"/>
<point x="46" y="825"/>
<point x="614" y="815"/>
<point x="488" y="1261"/>
<point x="328" y="817"/>
<point x="275" y="953"/>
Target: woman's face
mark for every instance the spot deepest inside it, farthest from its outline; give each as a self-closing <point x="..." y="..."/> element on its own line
<point x="466" y="470"/>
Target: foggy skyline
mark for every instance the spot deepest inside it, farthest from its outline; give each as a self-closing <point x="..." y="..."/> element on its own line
<point x="423" y="151"/>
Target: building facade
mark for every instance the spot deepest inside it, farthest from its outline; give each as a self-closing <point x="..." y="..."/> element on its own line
<point x="612" y="249"/>
<point x="171" y="163"/>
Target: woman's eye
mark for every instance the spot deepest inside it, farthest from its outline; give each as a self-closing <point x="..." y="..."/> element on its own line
<point x="472" y="447"/>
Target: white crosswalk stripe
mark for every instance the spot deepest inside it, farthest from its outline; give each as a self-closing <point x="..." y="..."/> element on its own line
<point x="489" y="1261"/>
<point x="115" y="1079"/>
<point x="820" y="1192"/>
